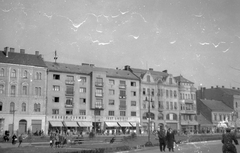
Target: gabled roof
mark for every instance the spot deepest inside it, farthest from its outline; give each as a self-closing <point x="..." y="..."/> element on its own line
<point x="87" y="69"/>
<point x="22" y="59"/>
<point x="215" y="105"/>
<point x="155" y="74"/>
<point x="181" y="79"/>
<point x="203" y="120"/>
<point x="230" y="91"/>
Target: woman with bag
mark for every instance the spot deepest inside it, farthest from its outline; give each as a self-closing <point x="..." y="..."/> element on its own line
<point x="170" y="140"/>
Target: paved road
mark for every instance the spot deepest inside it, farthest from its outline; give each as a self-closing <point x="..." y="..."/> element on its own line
<point x="197" y="147"/>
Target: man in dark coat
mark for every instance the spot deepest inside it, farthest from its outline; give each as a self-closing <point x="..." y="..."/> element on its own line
<point x="227" y="140"/>
<point x="170" y="139"/>
<point x="162" y="139"/>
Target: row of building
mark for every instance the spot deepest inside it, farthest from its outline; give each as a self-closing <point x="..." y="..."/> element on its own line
<point x="42" y="95"/>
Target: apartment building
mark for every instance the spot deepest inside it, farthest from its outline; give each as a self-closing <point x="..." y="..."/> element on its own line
<point x="159" y="96"/>
<point x="22" y="91"/>
<point x="84" y="97"/>
<point x="187" y="103"/>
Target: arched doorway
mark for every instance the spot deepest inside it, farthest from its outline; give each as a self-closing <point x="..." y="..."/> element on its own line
<point x="22" y="126"/>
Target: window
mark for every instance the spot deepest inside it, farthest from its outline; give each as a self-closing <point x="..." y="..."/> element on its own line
<point x="236" y="104"/>
<point x="56" y="77"/>
<point x="133" y="103"/>
<point x="171" y="105"/>
<point x="160" y="116"/>
<point x="83" y="79"/>
<point x="1" y="106"/>
<point x="167" y="105"/>
<point x="160" y="105"/>
<point x="111" y="102"/>
<point x="83" y="100"/>
<point x="23" y="107"/>
<point x="24" y="90"/>
<point x="70" y="77"/>
<point x="82" y="90"/>
<point x="99" y="92"/>
<point x="25" y="74"/>
<point x="1" y="88"/>
<point x="111" y="82"/>
<point x="170" y="80"/>
<point x="97" y="112"/>
<point x="175" y="94"/>
<point x="55" y="111"/>
<point x="56" y="99"/>
<point x="133" y="93"/>
<point x="110" y="113"/>
<point x="12" y="107"/>
<point x="13" y="90"/>
<point x="175" y="105"/>
<point x="82" y="112"/>
<point x="69" y="90"/>
<point x="69" y="101"/>
<point x="2" y="72"/>
<point x="133" y="84"/>
<point x="152" y="92"/>
<point x="166" y="93"/>
<point x="171" y="94"/>
<point x="133" y="114"/>
<point x="99" y="103"/>
<point x="38" y="76"/>
<point x="13" y="73"/>
<point x="144" y="91"/>
<point x="69" y="112"/>
<point x="37" y="107"/>
<point x="122" y="93"/>
<point x="111" y="92"/>
<point x="56" y="88"/>
<point x="122" y="82"/>
<point x="148" y="78"/>
<point x="122" y="113"/>
<point x="171" y="117"/>
<point x="99" y="80"/>
<point x="38" y="91"/>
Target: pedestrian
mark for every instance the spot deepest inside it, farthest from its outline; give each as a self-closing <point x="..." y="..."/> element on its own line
<point x="20" y="139"/>
<point x="52" y="139"/>
<point x="162" y="138"/>
<point x="227" y="139"/>
<point x="170" y="139"/>
<point x="57" y="143"/>
<point x="14" y="137"/>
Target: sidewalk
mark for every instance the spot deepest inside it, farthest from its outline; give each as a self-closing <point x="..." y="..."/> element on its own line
<point x="10" y="145"/>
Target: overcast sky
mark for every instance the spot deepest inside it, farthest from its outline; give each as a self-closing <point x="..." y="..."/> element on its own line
<point x="199" y="39"/>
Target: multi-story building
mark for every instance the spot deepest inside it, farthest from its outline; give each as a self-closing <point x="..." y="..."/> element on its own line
<point x="159" y="95"/>
<point x="22" y="91"/>
<point x="215" y="112"/>
<point x="187" y="102"/>
<point x="85" y="97"/>
<point x="231" y="97"/>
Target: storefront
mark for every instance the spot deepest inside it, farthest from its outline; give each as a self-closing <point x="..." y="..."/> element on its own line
<point x="70" y="127"/>
<point x="55" y="126"/>
<point x="110" y="128"/>
<point x="125" y="127"/>
<point x="85" y="127"/>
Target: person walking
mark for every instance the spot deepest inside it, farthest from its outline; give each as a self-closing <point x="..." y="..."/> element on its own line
<point x="14" y="137"/>
<point x="20" y="139"/>
<point x="227" y="140"/>
<point x="162" y="138"/>
<point x="170" y="139"/>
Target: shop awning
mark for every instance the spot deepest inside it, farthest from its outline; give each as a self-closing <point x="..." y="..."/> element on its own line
<point x="134" y="124"/>
<point x="112" y="124"/>
<point x="70" y="124"/>
<point x="124" y="124"/>
<point x="56" y="124"/>
<point x="85" y="124"/>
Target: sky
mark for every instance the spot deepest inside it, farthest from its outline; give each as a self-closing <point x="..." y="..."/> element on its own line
<point x="198" y="39"/>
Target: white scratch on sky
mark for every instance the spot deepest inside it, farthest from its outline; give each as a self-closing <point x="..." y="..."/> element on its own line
<point x="172" y="42"/>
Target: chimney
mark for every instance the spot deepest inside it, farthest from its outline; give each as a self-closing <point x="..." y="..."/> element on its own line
<point x="127" y="67"/>
<point x="12" y="50"/>
<point x="165" y="71"/>
<point x="36" y="52"/>
<point x="204" y="88"/>
<point x="6" y="51"/>
<point x="22" y="51"/>
<point x="233" y="87"/>
<point x="151" y="69"/>
<point x="222" y="86"/>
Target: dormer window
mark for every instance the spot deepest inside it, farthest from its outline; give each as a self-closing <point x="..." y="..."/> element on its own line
<point x="148" y="78"/>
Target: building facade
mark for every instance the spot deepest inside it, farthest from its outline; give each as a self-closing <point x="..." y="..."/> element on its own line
<point x="187" y="104"/>
<point x="22" y="91"/>
<point x="83" y="97"/>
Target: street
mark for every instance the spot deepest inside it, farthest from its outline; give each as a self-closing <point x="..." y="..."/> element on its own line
<point x="196" y="147"/>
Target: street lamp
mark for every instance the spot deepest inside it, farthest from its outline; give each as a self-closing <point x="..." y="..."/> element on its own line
<point x="149" y="143"/>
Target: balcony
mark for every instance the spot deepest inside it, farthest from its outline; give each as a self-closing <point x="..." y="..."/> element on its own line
<point x="188" y="111"/>
<point x="191" y="101"/>
<point x="161" y="109"/>
<point x="189" y="122"/>
<point x="122" y="86"/>
<point x="69" y="93"/>
<point x="122" y="107"/>
<point x="99" y="84"/>
<point x="69" y="82"/>
<point x="69" y="105"/>
<point x="98" y="94"/>
<point x="122" y="97"/>
<point x="98" y="107"/>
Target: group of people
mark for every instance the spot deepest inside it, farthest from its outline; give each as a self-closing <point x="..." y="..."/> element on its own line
<point x="19" y="138"/>
<point x="57" y="140"/>
<point x="166" y="138"/>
